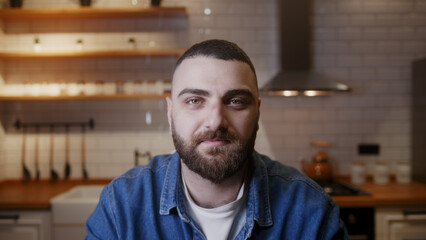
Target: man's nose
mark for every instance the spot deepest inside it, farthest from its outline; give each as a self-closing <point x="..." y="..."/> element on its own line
<point x="216" y="117"/>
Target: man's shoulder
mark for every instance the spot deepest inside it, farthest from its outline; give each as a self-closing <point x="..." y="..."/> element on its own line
<point x="281" y="170"/>
<point x="287" y="177"/>
<point x="155" y="168"/>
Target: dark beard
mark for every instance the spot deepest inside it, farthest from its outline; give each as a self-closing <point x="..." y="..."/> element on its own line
<point x="218" y="163"/>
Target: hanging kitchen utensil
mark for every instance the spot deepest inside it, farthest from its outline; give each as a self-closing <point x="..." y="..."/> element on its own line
<point x="53" y="173"/>
<point x="67" y="171"/>
<point x="26" y="175"/>
<point x="36" y="161"/>
<point x="83" y="152"/>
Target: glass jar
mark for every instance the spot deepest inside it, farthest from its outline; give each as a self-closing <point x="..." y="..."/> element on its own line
<point x="403" y="172"/>
<point x="99" y="87"/>
<point x="167" y="86"/>
<point x="381" y="173"/>
<point x="151" y="87"/>
<point x="137" y="87"/>
<point x="43" y="88"/>
<point x="90" y="88"/>
<point x="119" y="87"/>
<point x="159" y="86"/>
<point x="81" y="88"/>
<point x="109" y="88"/>
<point x="73" y="89"/>
<point x="27" y="88"/>
<point x="129" y="88"/>
<point x="358" y="173"/>
<point x="63" y="91"/>
<point x="52" y="89"/>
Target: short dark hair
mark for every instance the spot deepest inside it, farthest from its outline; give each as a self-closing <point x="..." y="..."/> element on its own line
<point x="219" y="49"/>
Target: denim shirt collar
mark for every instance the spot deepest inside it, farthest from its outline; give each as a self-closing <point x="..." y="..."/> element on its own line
<point x="258" y="205"/>
<point x="169" y="195"/>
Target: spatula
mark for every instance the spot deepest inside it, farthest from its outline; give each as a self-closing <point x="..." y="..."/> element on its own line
<point x="83" y="153"/>
<point x="36" y="161"/>
<point x="26" y="175"/>
<point x="53" y="173"/>
<point x="67" y="170"/>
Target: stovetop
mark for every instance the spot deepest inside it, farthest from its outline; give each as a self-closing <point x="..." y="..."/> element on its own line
<point x="342" y="189"/>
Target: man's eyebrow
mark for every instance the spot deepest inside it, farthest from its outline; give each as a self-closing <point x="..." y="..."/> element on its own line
<point x="195" y="91"/>
<point x="235" y="92"/>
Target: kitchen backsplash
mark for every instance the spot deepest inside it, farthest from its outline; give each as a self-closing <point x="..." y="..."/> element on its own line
<point x="368" y="44"/>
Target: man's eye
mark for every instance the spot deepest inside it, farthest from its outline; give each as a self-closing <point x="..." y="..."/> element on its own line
<point x="237" y="101"/>
<point x="194" y="101"/>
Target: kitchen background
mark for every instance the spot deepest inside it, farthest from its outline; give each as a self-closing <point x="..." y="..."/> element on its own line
<point x="369" y="44"/>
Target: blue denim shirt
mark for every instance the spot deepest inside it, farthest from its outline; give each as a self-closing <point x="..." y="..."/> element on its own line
<point x="147" y="202"/>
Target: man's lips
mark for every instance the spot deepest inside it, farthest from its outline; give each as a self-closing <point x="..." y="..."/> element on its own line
<point x="215" y="142"/>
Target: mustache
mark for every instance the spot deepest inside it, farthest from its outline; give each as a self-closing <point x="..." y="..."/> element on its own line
<point x="221" y="134"/>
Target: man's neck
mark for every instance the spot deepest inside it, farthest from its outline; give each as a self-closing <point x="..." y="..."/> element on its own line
<point x="210" y="195"/>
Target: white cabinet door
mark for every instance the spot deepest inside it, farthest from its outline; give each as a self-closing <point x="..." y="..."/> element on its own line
<point x="69" y="232"/>
<point x="400" y="224"/>
<point x="25" y="225"/>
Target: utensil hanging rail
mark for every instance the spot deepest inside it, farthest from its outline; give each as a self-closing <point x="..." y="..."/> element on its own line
<point x="18" y="124"/>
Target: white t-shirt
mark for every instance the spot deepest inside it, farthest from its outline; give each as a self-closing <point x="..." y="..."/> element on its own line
<point x="219" y="223"/>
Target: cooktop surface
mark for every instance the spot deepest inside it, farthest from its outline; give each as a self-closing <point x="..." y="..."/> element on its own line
<point x="342" y="189"/>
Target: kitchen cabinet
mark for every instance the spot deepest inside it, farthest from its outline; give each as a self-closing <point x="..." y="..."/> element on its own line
<point x="394" y="223"/>
<point x="9" y="15"/>
<point x="25" y="225"/>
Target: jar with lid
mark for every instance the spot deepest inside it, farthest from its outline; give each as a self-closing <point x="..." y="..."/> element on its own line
<point x="36" y="89"/>
<point x="73" y="89"/>
<point x="159" y="86"/>
<point x="63" y="90"/>
<point x="81" y="88"/>
<point x="167" y="86"/>
<point x="137" y="87"/>
<point x="27" y="88"/>
<point x="109" y="88"/>
<point x="44" y="90"/>
<point x="129" y="87"/>
<point x="381" y="173"/>
<point x="99" y="84"/>
<point x="358" y="172"/>
<point x="90" y="88"/>
<point x="119" y="86"/>
<point x="403" y="172"/>
<point x="151" y="87"/>
<point x="52" y="89"/>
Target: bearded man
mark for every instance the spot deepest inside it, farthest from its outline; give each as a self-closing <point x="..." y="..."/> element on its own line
<point x="216" y="186"/>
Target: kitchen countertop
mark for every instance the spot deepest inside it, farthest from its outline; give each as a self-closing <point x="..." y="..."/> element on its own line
<point x="16" y="194"/>
<point x="391" y="194"/>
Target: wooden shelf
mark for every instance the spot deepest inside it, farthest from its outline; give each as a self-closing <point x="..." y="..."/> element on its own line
<point x="84" y="97"/>
<point x="156" y="53"/>
<point x="90" y="13"/>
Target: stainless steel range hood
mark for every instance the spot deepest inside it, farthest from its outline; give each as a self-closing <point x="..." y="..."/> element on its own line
<point x="296" y="76"/>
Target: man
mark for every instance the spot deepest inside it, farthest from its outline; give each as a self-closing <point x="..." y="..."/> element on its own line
<point x="215" y="186"/>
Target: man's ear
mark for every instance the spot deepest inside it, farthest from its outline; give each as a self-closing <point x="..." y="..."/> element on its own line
<point x="258" y="107"/>
<point x="169" y="112"/>
<point x="258" y="113"/>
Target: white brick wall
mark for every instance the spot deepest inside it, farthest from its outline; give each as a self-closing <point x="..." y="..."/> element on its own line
<point x="369" y="44"/>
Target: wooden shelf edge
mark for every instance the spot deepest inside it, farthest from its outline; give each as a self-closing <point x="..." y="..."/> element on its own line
<point x="90" y="13"/>
<point x="84" y="97"/>
<point x="156" y="53"/>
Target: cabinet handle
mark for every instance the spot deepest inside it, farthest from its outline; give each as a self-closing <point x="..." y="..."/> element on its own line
<point x="414" y="212"/>
<point x="10" y="217"/>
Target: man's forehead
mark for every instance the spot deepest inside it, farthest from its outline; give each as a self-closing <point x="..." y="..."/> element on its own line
<point x="200" y="70"/>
